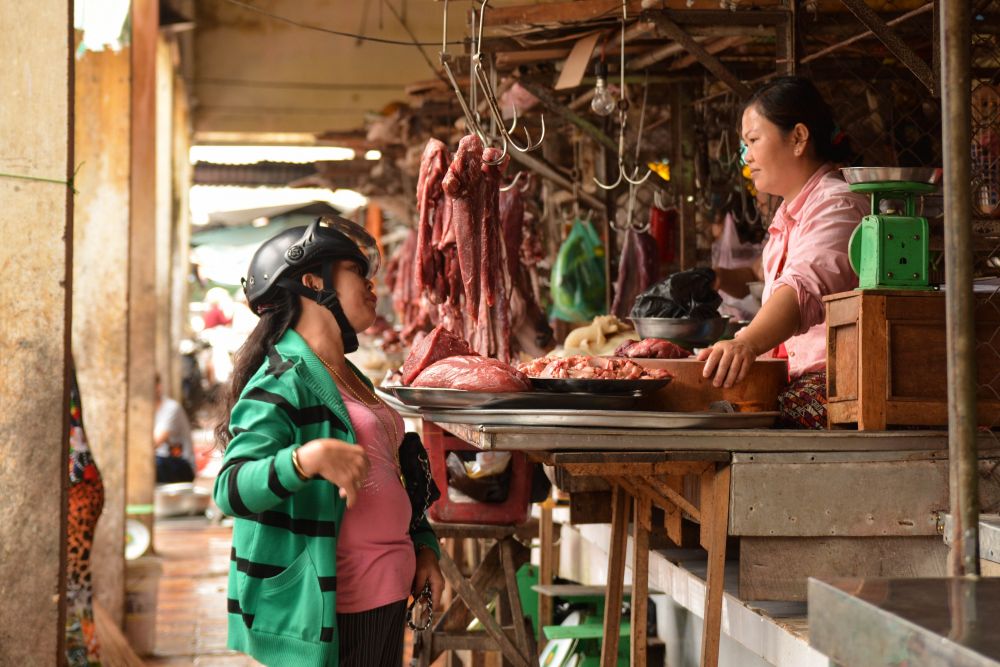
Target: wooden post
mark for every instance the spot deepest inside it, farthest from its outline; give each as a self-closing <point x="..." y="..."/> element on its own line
<point x="163" y="220"/>
<point x="682" y="171"/>
<point x="182" y="171"/>
<point x="640" y="579"/>
<point x="141" y="472"/>
<point x="36" y="223"/>
<point x="100" y="298"/>
<point x="545" y="568"/>
<point x="616" y="576"/>
<point x="716" y="522"/>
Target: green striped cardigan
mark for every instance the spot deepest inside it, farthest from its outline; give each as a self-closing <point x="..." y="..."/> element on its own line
<point x="282" y="574"/>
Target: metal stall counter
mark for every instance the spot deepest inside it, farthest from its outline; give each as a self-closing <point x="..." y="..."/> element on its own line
<point x="859" y="497"/>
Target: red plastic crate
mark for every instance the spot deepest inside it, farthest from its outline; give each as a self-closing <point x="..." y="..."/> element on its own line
<point x="513" y="511"/>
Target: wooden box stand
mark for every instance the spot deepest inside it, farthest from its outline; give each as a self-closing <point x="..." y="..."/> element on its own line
<point x="887" y="359"/>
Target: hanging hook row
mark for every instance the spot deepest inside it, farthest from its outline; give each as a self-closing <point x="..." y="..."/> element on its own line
<point x="632" y="179"/>
<point x="482" y="81"/>
<point x="489" y="94"/>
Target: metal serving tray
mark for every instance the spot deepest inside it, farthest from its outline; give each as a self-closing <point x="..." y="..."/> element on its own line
<point x="597" y="386"/>
<point x="606" y="418"/>
<point x="432" y="398"/>
<point x="402" y="408"/>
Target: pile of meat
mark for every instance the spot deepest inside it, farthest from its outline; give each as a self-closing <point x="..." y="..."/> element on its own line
<point x="651" y="348"/>
<point x="468" y="267"/>
<point x="443" y="360"/>
<point x="590" y="368"/>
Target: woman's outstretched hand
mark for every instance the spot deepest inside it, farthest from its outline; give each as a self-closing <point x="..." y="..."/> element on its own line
<point x="428" y="570"/>
<point x="728" y="361"/>
<point x="336" y="461"/>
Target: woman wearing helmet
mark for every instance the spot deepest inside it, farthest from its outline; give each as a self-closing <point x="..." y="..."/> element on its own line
<point x="323" y="557"/>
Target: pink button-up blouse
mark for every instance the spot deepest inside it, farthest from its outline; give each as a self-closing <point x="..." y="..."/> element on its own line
<point x="807" y="250"/>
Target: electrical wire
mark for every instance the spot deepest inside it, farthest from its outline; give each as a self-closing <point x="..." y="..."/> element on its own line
<point x="299" y="24"/>
<point x="415" y="43"/>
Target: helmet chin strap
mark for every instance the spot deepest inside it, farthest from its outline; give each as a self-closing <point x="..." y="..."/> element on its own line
<point x="327" y="297"/>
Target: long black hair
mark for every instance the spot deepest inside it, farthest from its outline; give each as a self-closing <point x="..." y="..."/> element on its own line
<point x="282" y="314"/>
<point x="789" y="100"/>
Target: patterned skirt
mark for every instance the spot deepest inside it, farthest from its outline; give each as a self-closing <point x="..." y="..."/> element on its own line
<point x="803" y="403"/>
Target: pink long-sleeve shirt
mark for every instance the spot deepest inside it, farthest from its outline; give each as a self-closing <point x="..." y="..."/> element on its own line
<point x="808" y="251"/>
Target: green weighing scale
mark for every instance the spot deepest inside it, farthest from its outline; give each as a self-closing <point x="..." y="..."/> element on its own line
<point x="890" y="248"/>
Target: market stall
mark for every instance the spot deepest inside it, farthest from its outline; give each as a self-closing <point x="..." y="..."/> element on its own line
<point x="579" y="241"/>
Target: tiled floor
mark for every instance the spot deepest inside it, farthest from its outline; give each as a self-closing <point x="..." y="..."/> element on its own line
<point x="191" y="610"/>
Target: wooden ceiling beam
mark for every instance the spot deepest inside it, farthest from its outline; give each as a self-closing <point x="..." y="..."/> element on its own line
<point x="670" y="29"/>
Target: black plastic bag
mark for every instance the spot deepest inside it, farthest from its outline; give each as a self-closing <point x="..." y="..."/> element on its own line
<point x="684" y="294"/>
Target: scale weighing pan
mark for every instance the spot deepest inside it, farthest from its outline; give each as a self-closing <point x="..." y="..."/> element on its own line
<point x="594" y="386"/>
<point x="855" y="175"/>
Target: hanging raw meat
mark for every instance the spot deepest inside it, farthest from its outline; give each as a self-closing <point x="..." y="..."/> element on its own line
<point x="430" y="198"/>
<point x="468" y="270"/>
<point x="637" y="270"/>
<point x="461" y="183"/>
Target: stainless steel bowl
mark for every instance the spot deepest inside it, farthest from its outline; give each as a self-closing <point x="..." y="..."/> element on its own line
<point x="682" y="330"/>
<point x="883" y="174"/>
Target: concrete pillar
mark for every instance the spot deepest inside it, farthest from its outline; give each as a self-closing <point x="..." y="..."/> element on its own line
<point x="36" y="225"/>
<point x="140" y="471"/>
<point x="100" y="296"/>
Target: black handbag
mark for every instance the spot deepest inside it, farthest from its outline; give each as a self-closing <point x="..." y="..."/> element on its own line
<point x="416" y="470"/>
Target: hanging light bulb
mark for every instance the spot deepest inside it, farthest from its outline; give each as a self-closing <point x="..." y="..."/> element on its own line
<point x="603" y="102"/>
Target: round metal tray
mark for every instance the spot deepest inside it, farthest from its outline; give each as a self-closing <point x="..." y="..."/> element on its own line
<point x="604" y="387"/>
<point x="682" y="330"/>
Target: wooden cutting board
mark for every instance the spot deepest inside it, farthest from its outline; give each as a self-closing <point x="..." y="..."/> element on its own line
<point x="690" y="392"/>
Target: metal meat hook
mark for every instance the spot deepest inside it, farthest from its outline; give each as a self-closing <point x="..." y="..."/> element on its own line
<point x="491" y="100"/>
<point x="445" y="58"/>
<point x="623" y="116"/>
<point x="510" y="186"/>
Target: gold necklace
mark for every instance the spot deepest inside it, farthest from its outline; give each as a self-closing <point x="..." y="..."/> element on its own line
<point x="344" y="382"/>
<point x="394" y="442"/>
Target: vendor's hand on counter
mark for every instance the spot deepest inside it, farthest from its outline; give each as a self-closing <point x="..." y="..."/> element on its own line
<point x="336" y="461"/>
<point x="728" y="360"/>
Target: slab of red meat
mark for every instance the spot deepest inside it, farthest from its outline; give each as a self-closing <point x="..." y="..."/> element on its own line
<point x="473" y="373"/>
<point x="651" y="348"/>
<point x="436" y="345"/>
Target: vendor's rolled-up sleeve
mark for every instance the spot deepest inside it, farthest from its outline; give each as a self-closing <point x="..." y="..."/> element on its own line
<point x="817" y="262"/>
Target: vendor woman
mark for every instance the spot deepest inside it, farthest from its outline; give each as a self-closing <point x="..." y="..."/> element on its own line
<point x="791" y="145"/>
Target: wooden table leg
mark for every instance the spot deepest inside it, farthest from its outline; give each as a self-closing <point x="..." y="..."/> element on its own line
<point x="525" y="640"/>
<point x="640" y="579"/>
<point x="715" y="529"/>
<point x="616" y="575"/>
<point x="475" y="603"/>
<point x="546" y="568"/>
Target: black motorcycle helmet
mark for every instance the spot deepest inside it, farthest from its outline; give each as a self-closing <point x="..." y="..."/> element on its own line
<point x="281" y="260"/>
